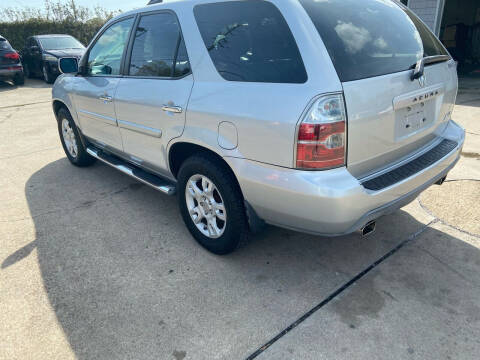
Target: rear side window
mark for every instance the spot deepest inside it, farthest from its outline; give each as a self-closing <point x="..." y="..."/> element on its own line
<point x="157" y="41"/>
<point x="371" y="37"/>
<point x="250" y="41"/>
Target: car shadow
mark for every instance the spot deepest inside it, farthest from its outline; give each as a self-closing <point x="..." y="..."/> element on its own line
<point x="126" y="280"/>
<point x="29" y="83"/>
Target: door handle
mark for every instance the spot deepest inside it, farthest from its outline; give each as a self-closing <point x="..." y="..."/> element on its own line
<point x="173" y="109"/>
<point x="105" y="98"/>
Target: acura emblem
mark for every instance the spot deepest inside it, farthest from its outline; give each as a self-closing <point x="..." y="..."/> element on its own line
<point x="422" y="80"/>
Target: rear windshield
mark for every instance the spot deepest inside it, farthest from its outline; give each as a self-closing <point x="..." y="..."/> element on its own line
<point x="367" y="38"/>
<point x="250" y="41"/>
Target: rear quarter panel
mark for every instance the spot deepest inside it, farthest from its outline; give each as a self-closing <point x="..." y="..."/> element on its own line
<point x="264" y="114"/>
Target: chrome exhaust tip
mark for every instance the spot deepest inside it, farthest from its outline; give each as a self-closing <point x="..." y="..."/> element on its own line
<point x="369" y="228"/>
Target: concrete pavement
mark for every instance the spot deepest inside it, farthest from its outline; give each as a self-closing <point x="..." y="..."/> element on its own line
<point x="93" y="265"/>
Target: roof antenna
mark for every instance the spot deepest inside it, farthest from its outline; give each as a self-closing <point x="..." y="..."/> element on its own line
<point x="151" y="2"/>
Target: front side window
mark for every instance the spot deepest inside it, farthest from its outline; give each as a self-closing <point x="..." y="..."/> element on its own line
<point x="156" y="43"/>
<point x="250" y="41"/>
<point x="105" y="57"/>
<point x="31" y="42"/>
<point x="371" y="37"/>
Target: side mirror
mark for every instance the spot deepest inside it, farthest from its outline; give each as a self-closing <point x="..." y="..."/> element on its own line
<point x="34" y="49"/>
<point x="68" y="65"/>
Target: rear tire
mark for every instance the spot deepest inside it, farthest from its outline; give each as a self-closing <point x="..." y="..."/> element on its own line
<point x="71" y="140"/>
<point x="224" y="208"/>
<point x="19" y="79"/>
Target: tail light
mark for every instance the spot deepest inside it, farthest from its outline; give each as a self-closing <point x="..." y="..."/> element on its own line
<point x="12" y="56"/>
<point x="321" y="139"/>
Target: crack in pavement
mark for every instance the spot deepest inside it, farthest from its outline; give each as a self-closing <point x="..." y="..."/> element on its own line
<point x="22" y="105"/>
<point x="340" y="290"/>
<point x="28" y="153"/>
<point x="429" y="212"/>
<point x="470" y="155"/>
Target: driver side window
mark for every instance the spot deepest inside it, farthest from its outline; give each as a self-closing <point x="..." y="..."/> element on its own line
<point x="106" y="54"/>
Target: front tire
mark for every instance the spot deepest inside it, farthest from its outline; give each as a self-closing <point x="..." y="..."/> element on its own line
<point x="71" y="140"/>
<point x="211" y="204"/>
<point x="47" y="76"/>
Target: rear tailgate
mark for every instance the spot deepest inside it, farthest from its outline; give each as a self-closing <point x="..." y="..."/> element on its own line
<point x="391" y="116"/>
<point x="373" y="45"/>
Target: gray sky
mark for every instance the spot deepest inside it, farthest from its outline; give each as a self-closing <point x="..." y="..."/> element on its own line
<point x="124" y="5"/>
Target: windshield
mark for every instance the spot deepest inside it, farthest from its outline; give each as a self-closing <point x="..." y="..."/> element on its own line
<point x="60" y="43"/>
<point x="367" y="38"/>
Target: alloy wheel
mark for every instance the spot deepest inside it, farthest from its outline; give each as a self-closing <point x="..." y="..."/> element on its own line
<point x="69" y="138"/>
<point x="205" y="206"/>
<point x="45" y="74"/>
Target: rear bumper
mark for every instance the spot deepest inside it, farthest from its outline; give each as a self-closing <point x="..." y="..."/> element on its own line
<point x="10" y="71"/>
<point x="333" y="202"/>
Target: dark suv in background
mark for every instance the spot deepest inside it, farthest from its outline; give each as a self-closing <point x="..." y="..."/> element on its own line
<point x="41" y="54"/>
<point x="10" y="63"/>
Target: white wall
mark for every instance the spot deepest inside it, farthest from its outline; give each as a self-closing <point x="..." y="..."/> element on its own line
<point x="426" y="10"/>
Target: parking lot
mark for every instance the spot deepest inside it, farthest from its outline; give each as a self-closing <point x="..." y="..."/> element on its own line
<point x="94" y="265"/>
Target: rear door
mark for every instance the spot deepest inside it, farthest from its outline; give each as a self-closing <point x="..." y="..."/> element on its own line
<point x="373" y="45"/>
<point x="94" y="92"/>
<point x="151" y="98"/>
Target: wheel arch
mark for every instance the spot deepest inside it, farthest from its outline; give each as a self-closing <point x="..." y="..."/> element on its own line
<point x="182" y="150"/>
<point x="57" y="104"/>
<point x="179" y="151"/>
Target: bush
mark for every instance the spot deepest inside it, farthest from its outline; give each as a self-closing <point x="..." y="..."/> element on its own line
<point x="17" y="32"/>
<point x="56" y="17"/>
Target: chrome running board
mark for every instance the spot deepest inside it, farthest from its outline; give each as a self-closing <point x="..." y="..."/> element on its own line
<point x="154" y="181"/>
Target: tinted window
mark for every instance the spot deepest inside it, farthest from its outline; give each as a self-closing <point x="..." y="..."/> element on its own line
<point x="4" y="45"/>
<point x="105" y="56"/>
<point x="371" y="37"/>
<point x="157" y="38"/>
<point x="60" y="43"/>
<point x="182" y="65"/>
<point x="250" y="41"/>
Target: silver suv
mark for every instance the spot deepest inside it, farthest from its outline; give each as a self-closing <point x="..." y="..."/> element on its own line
<point x="317" y="116"/>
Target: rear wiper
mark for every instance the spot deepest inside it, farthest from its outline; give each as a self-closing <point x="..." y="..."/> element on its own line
<point x="419" y="66"/>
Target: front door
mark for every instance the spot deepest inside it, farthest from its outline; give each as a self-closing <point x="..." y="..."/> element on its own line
<point x="32" y="56"/>
<point x="94" y="92"/>
<point x="151" y="99"/>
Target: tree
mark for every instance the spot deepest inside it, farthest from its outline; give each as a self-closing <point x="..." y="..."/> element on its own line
<point x="56" y="17"/>
<point x="57" y="11"/>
